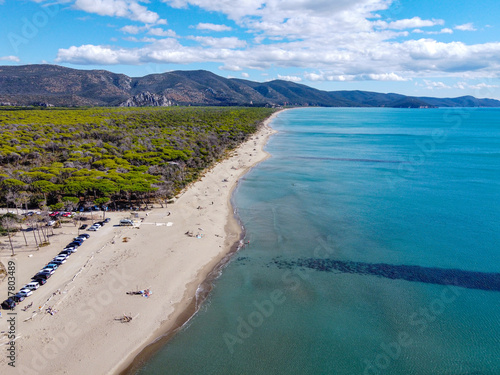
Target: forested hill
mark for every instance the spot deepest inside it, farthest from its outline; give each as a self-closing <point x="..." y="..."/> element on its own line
<point x="52" y="85"/>
<point x="65" y="158"/>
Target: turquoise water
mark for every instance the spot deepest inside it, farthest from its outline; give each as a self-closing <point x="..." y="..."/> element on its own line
<point x="404" y="204"/>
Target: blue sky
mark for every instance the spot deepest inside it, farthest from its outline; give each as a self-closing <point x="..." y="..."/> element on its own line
<point x="424" y="48"/>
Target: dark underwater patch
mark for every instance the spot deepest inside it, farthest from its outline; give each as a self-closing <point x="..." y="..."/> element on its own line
<point x="441" y="276"/>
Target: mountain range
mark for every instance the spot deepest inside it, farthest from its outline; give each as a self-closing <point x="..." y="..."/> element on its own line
<point x="53" y="85"/>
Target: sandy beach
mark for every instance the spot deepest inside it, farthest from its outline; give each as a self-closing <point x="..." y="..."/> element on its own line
<point x="171" y="252"/>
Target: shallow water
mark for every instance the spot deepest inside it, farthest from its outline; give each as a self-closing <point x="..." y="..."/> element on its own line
<point x="392" y="191"/>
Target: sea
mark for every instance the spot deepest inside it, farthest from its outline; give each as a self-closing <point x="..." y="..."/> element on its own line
<point x="372" y="246"/>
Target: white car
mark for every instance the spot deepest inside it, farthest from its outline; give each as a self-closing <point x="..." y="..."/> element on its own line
<point x="60" y="259"/>
<point x="51" y="223"/>
<point x="94" y="228"/>
<point x="70" y="248"/>
<point x="32" y="286"/>
<point x="25" y="292"/>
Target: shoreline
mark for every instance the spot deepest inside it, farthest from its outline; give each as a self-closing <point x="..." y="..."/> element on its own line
<point x="177" y="252"/>
<point x="132" y="363"/>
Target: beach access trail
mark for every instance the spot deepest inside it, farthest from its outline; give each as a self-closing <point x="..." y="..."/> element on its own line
<point x="170" y="253"/>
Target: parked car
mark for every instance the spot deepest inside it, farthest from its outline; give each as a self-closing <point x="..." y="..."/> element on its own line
<point x="59" y="260"/>
<point x="18" y="298"/>
<point x="43" y="275"/>
<point x="86" y="235"/>
<point x="66" y="214"/>
<point x="69" y="249"/>
<point x="79" y="238"/>
<point x="93" y="228"/>
<point x="52" y="265"/>
<point x="50" y="223"/>
<point x="82" y="227"/>
<point x="39" y="280"/>
<point x="25" y="292"/>
<point x="8" y="304"/>
<point x="107" y="220"/>
<point x="33" y="285"/>
<point x="49" y="271"/>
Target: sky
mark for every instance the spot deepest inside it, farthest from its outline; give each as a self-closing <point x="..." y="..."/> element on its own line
<point x="441" y="48"/>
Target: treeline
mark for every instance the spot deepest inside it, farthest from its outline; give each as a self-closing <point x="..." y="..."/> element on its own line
<point x="67" y="158"/>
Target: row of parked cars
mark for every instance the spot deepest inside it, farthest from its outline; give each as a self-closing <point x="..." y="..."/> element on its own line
<point x="45" y="273"/>
<point x="96" y="226"/>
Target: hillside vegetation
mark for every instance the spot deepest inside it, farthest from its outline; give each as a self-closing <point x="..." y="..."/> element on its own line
<point x="52" y="85"/>
<point x="65" y="158"/>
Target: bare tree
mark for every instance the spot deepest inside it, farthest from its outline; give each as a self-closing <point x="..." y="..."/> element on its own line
<point x="8" y="222"/>
<point x="32" y="220"/>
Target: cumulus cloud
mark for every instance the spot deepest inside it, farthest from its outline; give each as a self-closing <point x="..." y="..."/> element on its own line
<point x="133" y="29"/>
<point x="477" y="86"/>
<point x="245" y="75"/>
<point x="141" y="40"/>
<point x="293" y="17"/>
<point x="466" y="27"/>
<point x="431" y="85"/>
<point x="380" y="61"/>
<point x="289" y="78"/>
<point x="157" y="31"/>
<point x="223" y="43"/>
<point x="10" y="58"/>
<point x="415" y="22"/>
<point x="213" y="27"/>
<point x="344" y="40"/>
<point x="355" y="77"/>
<point x="446" y="30"/>
<point x="130" y="9"/>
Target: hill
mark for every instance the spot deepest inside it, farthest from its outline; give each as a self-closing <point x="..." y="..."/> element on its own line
<point x="52" y="85"/>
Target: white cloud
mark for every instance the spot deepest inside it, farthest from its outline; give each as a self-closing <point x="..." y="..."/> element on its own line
<point x="343" y="39"/>
<point x="231" y="68"/>
<point x="466" y="27"/>
<point x="132" y="29"/>
<point x="386" y="77"/>
<point x="130" y="9"/>
<point x="213" y="27"/>
<point x="90" y="54"/>
<point x="141" y="40"/>
<point x="223" y="43"/>
<point x="245" y="75"/>
<point x="446" y="30"/>
<point x="431" y="85"/>
<point x="290" y="78"/>
<point x="10" y="58"/>
<point x="415" y="22"/>
<point x="355" y="77"/>
<point x="481" y="86"/>
<point x="354" y="61"/>
<point x="157" y="31"/>
<point x="478" y="86"/>
<point x="293" y="18"/>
